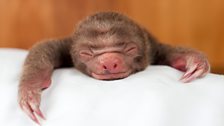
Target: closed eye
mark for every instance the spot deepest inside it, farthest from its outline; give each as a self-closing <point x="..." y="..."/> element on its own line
<point x="131" y="49"/>
<point x="85" y="53"/>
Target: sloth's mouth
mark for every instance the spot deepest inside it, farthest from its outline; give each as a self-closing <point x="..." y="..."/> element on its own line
<point x="111" y="76"/>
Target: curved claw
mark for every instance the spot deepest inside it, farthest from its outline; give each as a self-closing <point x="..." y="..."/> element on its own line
<point x="39" y="113"/>
<point x="28" y="110"/>
<point x="35" y="108"/>
<point x="195" y="65"/>
<point x="195" y="70"/>
<point x="32" y="109"/>
<point x="29" y="102"/>
<point x="30" y="97"/>
<point x="191" y="76"/>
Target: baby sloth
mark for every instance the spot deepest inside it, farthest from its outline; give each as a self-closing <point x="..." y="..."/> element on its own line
<point x="105" y="46"/>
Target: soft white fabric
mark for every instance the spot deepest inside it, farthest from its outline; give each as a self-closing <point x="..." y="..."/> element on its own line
<point x="153" y="97"/>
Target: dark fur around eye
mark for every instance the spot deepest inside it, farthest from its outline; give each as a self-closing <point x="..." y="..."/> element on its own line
<point x="138" y="59"/>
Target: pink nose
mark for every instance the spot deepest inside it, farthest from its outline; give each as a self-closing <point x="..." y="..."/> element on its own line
<point x="111" y="66"/>
<point x="111" y="63"/>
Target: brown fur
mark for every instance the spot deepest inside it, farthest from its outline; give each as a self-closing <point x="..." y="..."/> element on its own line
<point x="97" y="37"/>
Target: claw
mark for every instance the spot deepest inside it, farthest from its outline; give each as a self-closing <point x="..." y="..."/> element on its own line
<point x="29" y="95"/>
<point x="34" y="105"/>
<point x="39" y="113"/>
<point x="189" y="73"/>
<point x="191" y="70"/>
<point x="196" y="67"/>
<point x="28" y="110"/>
<point x="29" y="101"/>
<point x="193" y="76"/>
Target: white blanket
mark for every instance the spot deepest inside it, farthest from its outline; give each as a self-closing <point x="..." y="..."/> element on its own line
<point x="153" y="97"/>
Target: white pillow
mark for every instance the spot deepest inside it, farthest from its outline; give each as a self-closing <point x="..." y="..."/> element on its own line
<point x="153" y="97"/>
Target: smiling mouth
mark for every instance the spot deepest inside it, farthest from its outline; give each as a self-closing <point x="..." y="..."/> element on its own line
<point x="111" y="76"/>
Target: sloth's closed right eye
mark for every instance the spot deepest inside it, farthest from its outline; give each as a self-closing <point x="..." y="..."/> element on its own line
<point x="85" y="53"/>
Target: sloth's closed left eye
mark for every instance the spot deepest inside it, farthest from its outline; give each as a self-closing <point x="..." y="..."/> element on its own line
<point x="130" y="50"/>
